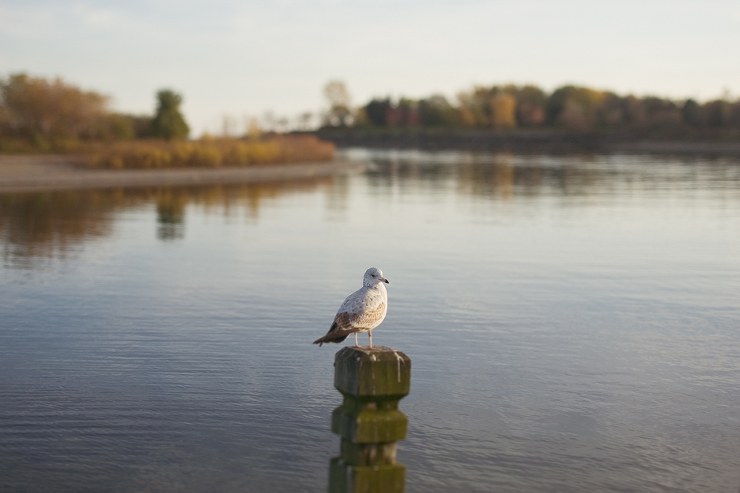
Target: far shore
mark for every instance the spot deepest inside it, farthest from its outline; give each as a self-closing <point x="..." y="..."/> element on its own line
<point x="30" y="173"/>
<point x="523" y="142"/>
<point x="40" y="172"/>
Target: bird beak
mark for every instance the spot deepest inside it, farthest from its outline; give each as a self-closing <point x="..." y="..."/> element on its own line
<point x="385" y="280"/>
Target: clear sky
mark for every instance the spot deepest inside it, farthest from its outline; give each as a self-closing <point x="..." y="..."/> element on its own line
<point x="242" y="57"/>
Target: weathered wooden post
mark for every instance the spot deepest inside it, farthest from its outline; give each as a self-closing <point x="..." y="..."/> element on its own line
<point x="372" y="381"/>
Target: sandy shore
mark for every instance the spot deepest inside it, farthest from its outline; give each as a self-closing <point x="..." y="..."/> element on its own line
<point x="37" y="173"/>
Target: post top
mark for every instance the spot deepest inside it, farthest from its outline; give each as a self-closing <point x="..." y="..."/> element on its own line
<point x="378" y="371"/>
<point x="370" y="350"/>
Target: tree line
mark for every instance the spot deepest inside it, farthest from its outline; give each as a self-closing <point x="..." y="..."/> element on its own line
<point x="44" y="114"/>
<point x="41" y="115"/>
<point x="50" y="114"/>
<point x="572" y="108"/>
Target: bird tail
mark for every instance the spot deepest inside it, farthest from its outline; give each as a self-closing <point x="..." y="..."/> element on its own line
<point x="335" y="334"/>
<point x="332" y="338"/>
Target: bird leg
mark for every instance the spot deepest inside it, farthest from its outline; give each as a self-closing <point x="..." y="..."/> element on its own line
<point x="370" y="333"/>
<point x="356" y="344"/>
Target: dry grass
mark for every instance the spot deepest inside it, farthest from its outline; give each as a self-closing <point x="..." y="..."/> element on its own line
<point x="210" y="152"/>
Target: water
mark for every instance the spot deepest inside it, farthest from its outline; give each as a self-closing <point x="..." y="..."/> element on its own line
<point x="573" y="322"/>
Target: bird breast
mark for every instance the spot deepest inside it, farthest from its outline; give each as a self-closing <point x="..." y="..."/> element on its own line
<point x="363" y="310"/>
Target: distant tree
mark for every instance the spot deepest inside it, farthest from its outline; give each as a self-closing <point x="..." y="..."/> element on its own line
<point x="661" y="113"/>
<point x="119" y="127"/>
<point x="168" y="122"/>
<point x="34" y="107"/>
<point x="340" y="103"/>
<point x="254" y="131"/>
<point x="394" y="116"/>
<point x="407" y="112"/>
<point x="142" y="125"/>
<point x="531" y="94"/>
<point x="466" y="117"/>
<point x="734" y="114"/>
<point x="530" y="110"/>
<point x="305" y="121"/>
<point x="691" y="113"/>
<point x="5" y="121"/>
<point x="634" y="111"/>
<point x="611" y="112"/>
<point x="573" y="107"/>
<point x="436" y="111"/>
<point x="503" y="111"/>
<point x="717" y="113"/>
<point x="359" y="118"/>
<point x="574" y="117"/>
<point x="555" y="105"/>
<point x="475" y="107"/>
<point x="529" y="115"/>
<point x="376" y="111"/>
<point x="282" y="124"/>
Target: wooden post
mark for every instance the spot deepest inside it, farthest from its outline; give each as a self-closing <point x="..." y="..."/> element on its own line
<point x="372" y="381"/>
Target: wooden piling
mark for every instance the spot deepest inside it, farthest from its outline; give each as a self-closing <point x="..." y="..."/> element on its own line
<point x="372" y="381"/>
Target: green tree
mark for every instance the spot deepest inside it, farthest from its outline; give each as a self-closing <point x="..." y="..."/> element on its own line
<point x="573" y="107"/>
<point x="168" y="122"/>
<point x="436" y="111"/>
<point x="530" y="110"/>
<point x="691" y="113"/>
<point x="717" y="113"/>
<point x="118" y="126"/>
<point x="376" y="111"/>
<point x="661" y="113"/>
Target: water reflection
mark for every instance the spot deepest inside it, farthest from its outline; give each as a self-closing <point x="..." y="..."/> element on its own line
<point x="48" y="225"/>
<point x="52" y="224"/>
<point x="504" y="176"/>
<point x="171" y="215"/>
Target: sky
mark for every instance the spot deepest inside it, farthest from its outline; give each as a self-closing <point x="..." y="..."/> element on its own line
<point x="242" y="58"/>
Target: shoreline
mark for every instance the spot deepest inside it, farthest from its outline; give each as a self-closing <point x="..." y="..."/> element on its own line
<point x="40" y="172"/>
<point x="35" y="173"/>
<point x="527" y="142"/>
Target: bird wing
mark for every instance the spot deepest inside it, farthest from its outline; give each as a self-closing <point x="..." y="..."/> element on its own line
<point x="355" y="303"/>
<point x="363" y="299"/>
<point x="361" y="319"/>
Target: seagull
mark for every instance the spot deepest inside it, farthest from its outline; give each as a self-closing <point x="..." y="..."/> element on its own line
<point x="362" y="311"/>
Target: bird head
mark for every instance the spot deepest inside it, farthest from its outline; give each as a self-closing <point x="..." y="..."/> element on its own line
<point x="373" y="276"/>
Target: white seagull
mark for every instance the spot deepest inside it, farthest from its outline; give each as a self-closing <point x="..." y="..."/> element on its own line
<point x="362" y="311"/>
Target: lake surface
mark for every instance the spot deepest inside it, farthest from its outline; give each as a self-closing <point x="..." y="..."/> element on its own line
<point x="573" y="325"/>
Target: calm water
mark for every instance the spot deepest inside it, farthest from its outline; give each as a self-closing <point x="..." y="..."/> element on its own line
<point x="574" y="325"/>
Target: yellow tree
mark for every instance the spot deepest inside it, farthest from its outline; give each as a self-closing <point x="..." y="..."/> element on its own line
<point x="38" y="108"/>
<point x="503" y="111"/>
